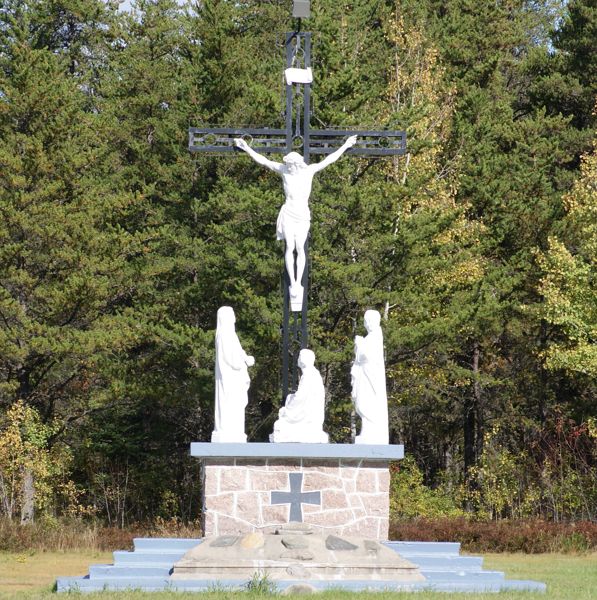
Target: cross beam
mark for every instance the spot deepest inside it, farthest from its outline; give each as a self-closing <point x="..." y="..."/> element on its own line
<point x="220" y="140"/>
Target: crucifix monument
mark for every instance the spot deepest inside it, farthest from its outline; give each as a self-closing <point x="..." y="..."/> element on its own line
<point x="297" y="174"/>
<point x="306" y="515"/>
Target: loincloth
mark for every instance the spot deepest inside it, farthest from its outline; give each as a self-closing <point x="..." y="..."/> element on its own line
<point x="290" y="225"/>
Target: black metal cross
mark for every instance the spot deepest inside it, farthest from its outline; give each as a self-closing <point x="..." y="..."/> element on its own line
<point x="297" y="135"/>
<point x="296" y="497"/>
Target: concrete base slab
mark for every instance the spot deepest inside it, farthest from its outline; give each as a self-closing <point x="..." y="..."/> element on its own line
<point x="145" y="567"/>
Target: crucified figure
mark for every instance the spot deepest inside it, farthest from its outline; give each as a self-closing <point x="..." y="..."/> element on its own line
<point x="294" y="219"/>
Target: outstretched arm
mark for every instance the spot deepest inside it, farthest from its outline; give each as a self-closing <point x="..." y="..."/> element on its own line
<point x="258" y="158"/>
<point x="334" y="156"/>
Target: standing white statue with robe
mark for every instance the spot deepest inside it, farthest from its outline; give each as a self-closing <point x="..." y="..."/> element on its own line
<point x="301" y="418"/>
<point x="294" y="219"/>
<point x="232" y="381"/>
<point x="368" y="376"/>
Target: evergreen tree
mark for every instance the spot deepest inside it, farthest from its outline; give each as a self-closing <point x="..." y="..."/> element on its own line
<point x="66" y="264"/>
<point x="564" y="76"/>
<point x="569" y="281"/>
<point x="512" y="165"/>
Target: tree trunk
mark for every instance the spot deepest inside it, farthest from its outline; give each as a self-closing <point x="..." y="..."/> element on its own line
<point x="469" y="429"/>
<point x="473" y="424"/>
<point x="478" y="400"/>
<point x="28" y="497"/>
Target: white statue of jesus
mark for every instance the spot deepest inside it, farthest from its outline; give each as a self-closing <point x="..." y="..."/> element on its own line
<point x="294" y="219"/>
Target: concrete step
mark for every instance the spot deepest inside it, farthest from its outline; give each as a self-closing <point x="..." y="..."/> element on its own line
<point x="441" y="562"/>
<point x="96" y="571"/>
<point x="148" y="557"/>
<point x="167" y="544"/>
<point x="84" y="584"/>
<point x="81" y="584"/>
<point x="425" y="547"/>
<point x="442" y="575"/>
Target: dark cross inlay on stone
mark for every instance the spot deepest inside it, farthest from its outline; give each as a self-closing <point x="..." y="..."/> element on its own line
<point x="296" y="136"/>
<point x="296" y="497"/>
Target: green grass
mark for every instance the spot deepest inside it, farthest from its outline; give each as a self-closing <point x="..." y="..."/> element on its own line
<point x="30" y="576"/>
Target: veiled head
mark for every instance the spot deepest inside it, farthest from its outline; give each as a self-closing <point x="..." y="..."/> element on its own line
<point x="306" y="358"/>
<point x="372" y="320"/>
<point x="226" y="318"/>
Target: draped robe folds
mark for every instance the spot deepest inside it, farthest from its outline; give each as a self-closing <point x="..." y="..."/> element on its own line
<point x="306" y="405"/>
<point x="369" y="388"/>
<point x="301" y="418"/>
<point x="232" y="382"/>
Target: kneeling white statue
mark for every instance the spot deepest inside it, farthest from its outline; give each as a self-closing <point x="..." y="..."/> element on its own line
<point x="232" y="381"/>
<point x="368" y="376"/>
<point x="301" y="418"/>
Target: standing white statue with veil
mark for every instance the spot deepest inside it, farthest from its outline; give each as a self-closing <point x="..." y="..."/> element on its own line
<point x="368" y="375"/>
<point x="232" y="381"/>
<point x="294" y="219"/>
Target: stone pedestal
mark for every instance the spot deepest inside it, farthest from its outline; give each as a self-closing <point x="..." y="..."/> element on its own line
<point x="340" y="489"/>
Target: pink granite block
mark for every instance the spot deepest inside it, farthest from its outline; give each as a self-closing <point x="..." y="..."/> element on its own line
<point x="248" y="507"/>
<point x="233" y="479"/>
<point x="311" y="508"/>
<point x="230" y="526"/>
<point x="211" y="480"/>
<point x="366" y="481"/>
<point x="330" y="518"/>
<point x="323" y="466"/>
<point x="209" y="524"/>
<point x="355" y="501"/>
<point x="350" y="486"/>
<point x="333" y="499"/>
<point x="315" y="481"/>
<point x="348" y="473"/>
<point x="367" y="528"/>
<point x="268" y="480"/>
<point x="376" y="504"/>
<point x="221" y="503"/>
<point x="383" y="481"/>
<point x="278" y="513"/>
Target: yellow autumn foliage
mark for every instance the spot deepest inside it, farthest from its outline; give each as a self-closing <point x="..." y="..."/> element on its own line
<point x="24" y="448"/>
<point x="569" y="285"/>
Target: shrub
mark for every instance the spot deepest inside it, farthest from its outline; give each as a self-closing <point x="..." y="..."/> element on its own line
<point x="410" y="497"/>
<point x="78" y="534"/>
<point x="529" y="536"/>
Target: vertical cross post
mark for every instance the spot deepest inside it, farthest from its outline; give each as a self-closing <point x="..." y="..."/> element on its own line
<point x="295" y="324"/>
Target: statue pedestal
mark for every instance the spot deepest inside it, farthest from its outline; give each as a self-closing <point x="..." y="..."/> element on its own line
<point x="339" y="489"/>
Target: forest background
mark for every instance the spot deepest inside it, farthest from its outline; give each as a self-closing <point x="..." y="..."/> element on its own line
<point x="117" y="246"/>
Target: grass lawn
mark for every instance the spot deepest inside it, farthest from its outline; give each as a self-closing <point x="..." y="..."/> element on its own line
<point x="30" y="576"/>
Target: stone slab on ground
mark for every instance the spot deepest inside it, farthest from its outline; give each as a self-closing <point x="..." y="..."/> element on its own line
<point x="320" y="557"/>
